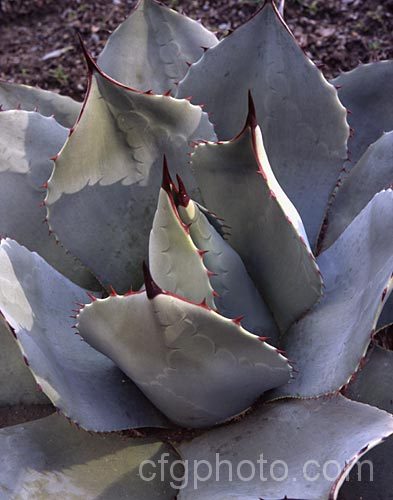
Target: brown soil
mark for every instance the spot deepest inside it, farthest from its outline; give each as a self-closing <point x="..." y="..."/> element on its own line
<point x="14" y="415"/>
<point x="336" y="33"/>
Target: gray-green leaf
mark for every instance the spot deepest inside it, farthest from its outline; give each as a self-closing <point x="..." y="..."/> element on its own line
<point x="237" y="182"/>
<point x="83" y="384"/>
<point x="64" y="109"/>
<point x="17" y="385"/>
<point x="235" y="293"/>
<point x="51" y="459"/>
<point x="103" y="191"/>
<point x="173" y="257"/>
<point x="28" y="140"/>
<point x="373" y="173"/>
<point x="330" y="341"/>
<point x="153" y="48"/>
<point x="373" y="386"/>
<point x="196" y="366"/>
<point x="366" y="92"/>
<point x="292" y="449"/>
<point x="303" y="122"/>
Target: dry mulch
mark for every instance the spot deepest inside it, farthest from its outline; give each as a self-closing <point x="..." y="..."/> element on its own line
<point x="336" y="33"/>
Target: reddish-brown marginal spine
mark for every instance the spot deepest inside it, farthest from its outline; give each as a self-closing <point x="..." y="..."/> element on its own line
<point x="183" y="198"/>
<point x="152" y="289"/>
<point x="167" y="182"/>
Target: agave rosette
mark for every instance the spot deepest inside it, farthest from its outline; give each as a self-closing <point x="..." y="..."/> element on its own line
<point x="269" y="259"/>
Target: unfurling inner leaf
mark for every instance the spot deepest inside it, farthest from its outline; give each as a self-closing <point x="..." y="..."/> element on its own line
<point x="174" y="260"/>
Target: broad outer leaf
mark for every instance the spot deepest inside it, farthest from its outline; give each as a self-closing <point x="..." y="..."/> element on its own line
<point x="330" y="341"/>
<point x="27" y="142"/>
<point x="174" y="260"/>
<point x="303" y="123"/>
<point x="366" y="92"/>
<point x="153" y="48"/>
<point x="17" y="385"/>
<point x="15" y="96"/>
<point x="236" y="295"/>
<point x="83" y="384"/>
<point x="283" y="449"/>
<point x="373" y="386"/>
<point x="236" y="181"/>
<point x="103" y="192"/>
<point x="51" y="459"/>
<point x="373" y="173"/>
<point x="196" y="366"/>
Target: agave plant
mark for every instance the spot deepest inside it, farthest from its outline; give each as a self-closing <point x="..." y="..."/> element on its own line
<point x="225" y="282"/>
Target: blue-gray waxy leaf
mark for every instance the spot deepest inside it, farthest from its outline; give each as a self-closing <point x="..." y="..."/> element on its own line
<point x="364" y="91"/>
<point x="282" y="449"/>
<point x="153" y="48"/>
<point x="235" y="293"/>
<point x="237" y="183"/>
<point x="51" y="459"/>
<point x="330" y="341"/>
<point x="373" y="386"/>
<point x="17" y="385"/>
<point x="37" y="302"/>
<point x="303" y="123"/>
<point x="196" y="366"/>
<point x="103" y="191"/>
<point x="373" y="173"/>
<point x="27" y="142"/>
<point x="15" y="96"/>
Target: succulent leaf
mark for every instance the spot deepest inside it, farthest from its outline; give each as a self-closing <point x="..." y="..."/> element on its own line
<point x="114" y="159"/>
<point x="236" y="179"/>
<point x="83" y="384"/>
<point x="232" y="268"/>
<point x="180" y="354"/>
<point x="17" y="385"/>
<point x="330" y="341"/>
<point x="28" y="140"/>
<point x="15" y="96"/>
<point x="50" y="459"/>
<point x="364" y="91"/>
<point x="293" y="432"/>
<point x="235" y="293"/>
<point x="174" y="260"/>
<point x="153" y="48"/>
<point x="373" y="386"/>
<point x="372" y="173"/>
<point x="303" y="122"/>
